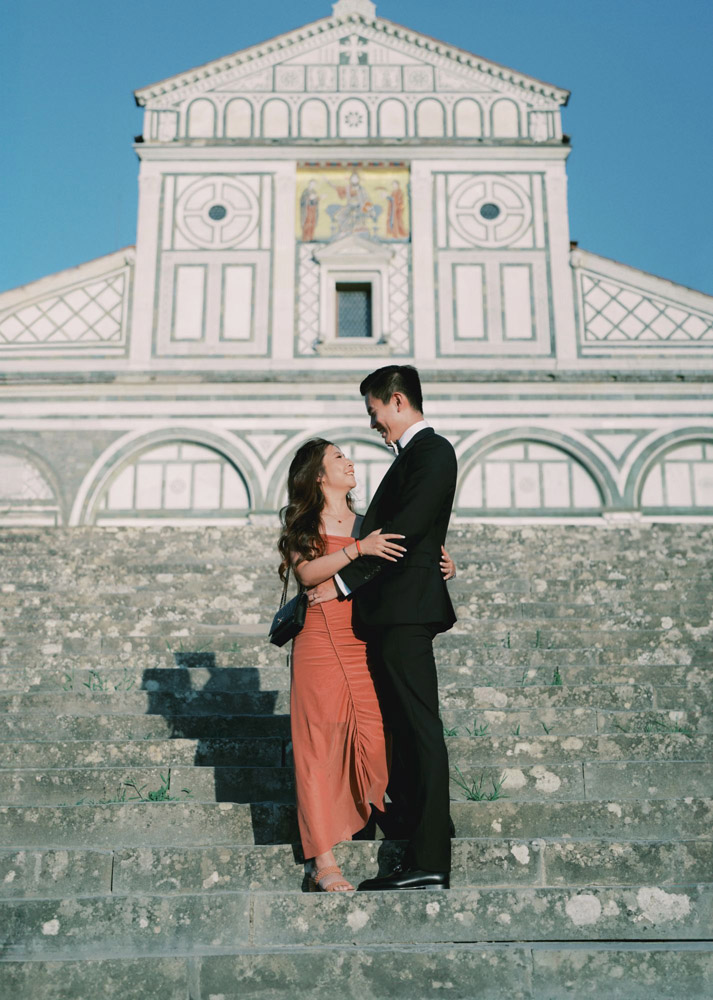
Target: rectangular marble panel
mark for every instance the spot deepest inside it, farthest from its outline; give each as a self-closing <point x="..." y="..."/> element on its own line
<point x="517" y="302"/>
<point x="149" y="478"/>
<point x="188" y="315"/>
<point x="497" y="484"/>
<point x="236" y="320"/>
<point x="206" y="485"/>
<point x="322" y="78"/>
<point x="678" y="484"/>
<point x="468" y="280"/>
<point x="555" y="484"/>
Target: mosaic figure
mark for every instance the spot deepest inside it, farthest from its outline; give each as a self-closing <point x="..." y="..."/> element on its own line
<point x="309" y="211"/>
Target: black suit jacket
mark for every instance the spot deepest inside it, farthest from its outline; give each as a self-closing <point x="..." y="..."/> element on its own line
<point x="415" y="499"/>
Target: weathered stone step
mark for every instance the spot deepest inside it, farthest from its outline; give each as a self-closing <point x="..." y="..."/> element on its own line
<point x="240" y="649"/>
<point x="84" y="701"/>
<point x="578" y="722"/>
<point x="501" y="597"/>
<point x="255" y="752"/>
<point x="476" y="863"/>
<point x="156" y="618"/>
<point x="589" y="781"/>
<point x="23" y="679"/>
<point x="510" y="750"/>
<point x="504" y="751"/>
<point x="652" y="722"/>
<point x="191" y="824"/>
<point x="618" y="971"/>
<point x="155" y="924"/>
<point x="574" y="722"/>
<point x="153" y="703"/>
<point x="661" y="542"/>
<point x="70" y="786"/>
<point x="621" y="637"/>
<point x="524" y="783"/>
<point x="624" y="696"/>
<point x="597" y="556"/>
<point x="138" y="824"/>
<point x="139" y="727"/>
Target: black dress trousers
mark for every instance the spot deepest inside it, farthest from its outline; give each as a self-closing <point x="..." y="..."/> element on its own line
<point x="418" y="786"/>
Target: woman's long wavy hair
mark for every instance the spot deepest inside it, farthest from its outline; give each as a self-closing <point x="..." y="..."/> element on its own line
<point x="305" y="502"/>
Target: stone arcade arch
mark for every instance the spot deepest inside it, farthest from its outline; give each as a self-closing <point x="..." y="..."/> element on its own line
<point x="168" y="476"/>
<point x="523" y="474"/>
<point x="29" y="493"/>
<point x="678" y="476"/>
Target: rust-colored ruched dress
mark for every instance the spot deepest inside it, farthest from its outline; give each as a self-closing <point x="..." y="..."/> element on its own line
<point x="338" y="737"/>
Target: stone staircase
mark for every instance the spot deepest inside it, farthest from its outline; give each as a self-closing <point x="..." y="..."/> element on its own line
<point x="147" y="828"/>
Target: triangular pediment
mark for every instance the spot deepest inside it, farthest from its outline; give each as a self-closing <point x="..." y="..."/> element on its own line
<point x="353" y="249"/>
<point x="351" y="52"/>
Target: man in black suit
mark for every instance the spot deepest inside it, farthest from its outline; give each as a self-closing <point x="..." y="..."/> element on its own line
<point x="405" y="604"/>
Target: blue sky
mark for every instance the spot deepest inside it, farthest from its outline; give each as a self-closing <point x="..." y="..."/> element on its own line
<point x="639" y="116"/>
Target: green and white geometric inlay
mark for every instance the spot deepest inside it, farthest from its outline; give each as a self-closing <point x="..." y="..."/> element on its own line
<point x="614" y="312"/>
<point x="87" y="313"/>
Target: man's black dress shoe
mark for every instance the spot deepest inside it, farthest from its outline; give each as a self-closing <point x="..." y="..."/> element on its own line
<point x="407" y="878"/>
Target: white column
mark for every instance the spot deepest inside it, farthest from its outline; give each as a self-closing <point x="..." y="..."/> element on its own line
<point x="424" y="302"/>
<point x="562" y="294"/>
<point x="147" y="243"/>
<point x="283" y="261"/>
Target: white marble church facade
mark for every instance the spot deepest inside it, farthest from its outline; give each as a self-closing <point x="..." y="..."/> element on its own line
<point x="343" y="195"/>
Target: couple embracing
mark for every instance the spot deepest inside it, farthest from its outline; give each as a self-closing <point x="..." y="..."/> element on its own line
<point x="364" y="693"/>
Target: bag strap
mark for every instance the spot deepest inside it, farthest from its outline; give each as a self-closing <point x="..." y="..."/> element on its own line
<point x="283" y="599"/>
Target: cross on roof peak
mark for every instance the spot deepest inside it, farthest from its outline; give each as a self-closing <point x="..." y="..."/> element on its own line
<point x="343" y="8"/>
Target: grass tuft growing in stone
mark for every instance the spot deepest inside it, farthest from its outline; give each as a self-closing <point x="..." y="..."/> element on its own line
<point x="655" y="726"/>
<point x="157" y="795"/>
<point x="477" y="730"/>
<point x="450" y="732"/>
<point x="474" y="791"/>
<point x="557" y="678"/>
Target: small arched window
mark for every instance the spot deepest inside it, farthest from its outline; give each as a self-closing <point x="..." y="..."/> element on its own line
<point x="238" y="119"/>
<point x="176" y="479"/>
<point x="201" y="119"/>
<point x="26" y="496"/>
<point x="682" y="479"/>
<point x="505" y="117"/>
<point x="528" y="476"/>
<point x="430" y="119"/>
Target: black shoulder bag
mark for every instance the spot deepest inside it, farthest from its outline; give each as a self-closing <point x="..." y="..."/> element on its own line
<point x="290" y="616"/>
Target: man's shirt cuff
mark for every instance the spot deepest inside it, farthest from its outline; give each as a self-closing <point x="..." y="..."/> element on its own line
<point x="342" y="585"/>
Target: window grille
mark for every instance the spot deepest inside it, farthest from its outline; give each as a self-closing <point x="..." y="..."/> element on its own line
<point x="354" y="310"/>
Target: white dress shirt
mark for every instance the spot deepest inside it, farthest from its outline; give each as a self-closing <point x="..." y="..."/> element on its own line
<point x="402" y="442"/>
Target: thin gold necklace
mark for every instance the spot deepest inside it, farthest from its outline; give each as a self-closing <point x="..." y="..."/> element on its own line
<point x="330" y="514"/>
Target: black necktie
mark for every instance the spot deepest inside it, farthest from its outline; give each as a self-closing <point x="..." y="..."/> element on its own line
<point x="399" y="449"/>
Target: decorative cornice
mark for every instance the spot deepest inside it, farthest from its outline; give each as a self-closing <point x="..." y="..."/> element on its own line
<point x="284" y="45"/>
<point x="353" y="249"/>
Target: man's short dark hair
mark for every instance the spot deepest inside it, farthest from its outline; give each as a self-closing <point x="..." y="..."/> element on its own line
<point x="384" y="382"/>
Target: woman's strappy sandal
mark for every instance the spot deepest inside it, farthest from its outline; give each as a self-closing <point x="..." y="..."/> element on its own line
<point x="316" y="877"/>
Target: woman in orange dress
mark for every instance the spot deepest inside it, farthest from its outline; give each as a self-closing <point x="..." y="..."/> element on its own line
<point x="338" y="739"/>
